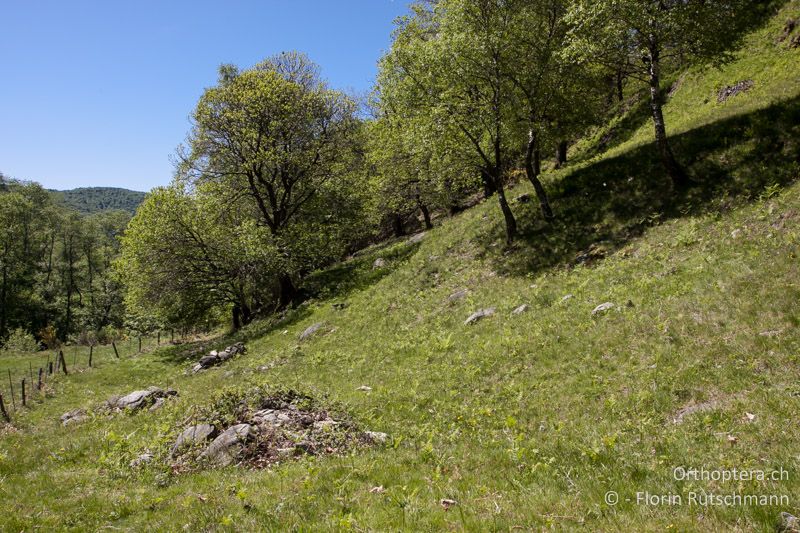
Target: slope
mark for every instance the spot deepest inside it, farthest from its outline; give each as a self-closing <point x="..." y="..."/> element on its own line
<point x="525" y="420"/>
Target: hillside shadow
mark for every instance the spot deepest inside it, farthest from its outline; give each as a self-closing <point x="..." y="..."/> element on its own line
<point x="603" y="206"/>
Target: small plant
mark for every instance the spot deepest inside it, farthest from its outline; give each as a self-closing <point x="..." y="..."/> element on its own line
<point x="770" y="191"/>
<point x="49" y="337"/>
<point x="21" y="341"/>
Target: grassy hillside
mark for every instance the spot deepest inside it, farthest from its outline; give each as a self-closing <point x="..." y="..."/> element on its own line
<point x="526" y="420"/>
<point x="94" y="199"/>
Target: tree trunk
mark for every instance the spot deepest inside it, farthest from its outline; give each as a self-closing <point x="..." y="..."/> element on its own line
<point x="620" y="79"/>
<point x="489" y="185"/>
<point x="287" y="290"/>
<point x="508" y="215"/>
<point x="561" y="153"/>
<point x="426" y="214"/>
<point x="672" y="167"/>
<point x="237" y="317"/>
<point x="397" y="225"/>
<point x="533" y="176"/>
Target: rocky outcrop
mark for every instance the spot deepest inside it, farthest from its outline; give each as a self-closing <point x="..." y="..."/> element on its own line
<point x="139" y="399"/>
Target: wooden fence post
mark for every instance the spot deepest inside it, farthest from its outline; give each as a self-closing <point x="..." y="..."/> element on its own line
<point x="49" y="368"/>
<point x="23" y="392"/>
<point x="3" y="410"/>
<point x="113" y="345"/>
<point x="158" y="338"/>
<point x="41" y="372"/>
<point x="63" y="362"/>
<point x="91" y="353"/>
<point x="11" y="387"/>
<point x="140" y="344"/>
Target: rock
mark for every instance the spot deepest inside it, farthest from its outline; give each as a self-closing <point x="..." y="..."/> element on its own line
<point x="214" y="357"/>
<point x="311" y="330"/>
<point x="73" y="417"/>
<point x="788" y="523"/>
<point x="523" y="198"/>
<point x="377" y="437"/>
<point x="325" y="425"/>
<point x="141" y="460"/>
<point x="732" y="90"/>
<point x="416" y="238"/>
<point x="193" y="435"/>
<point x="735" y="233"/>
<point x="519" y="310"/>
<point x="139" y="399"/>
<point x="567" y="297"/>
<point x="479" y="314"/>
<point x="447" y="503"/>
<point x="602" y="308"/>
<point x="227" y="447"/>
<point x="458" y="295"/>
<point x="379" y="263"/>
<point x="364" y="388"/>
<point x="157" y="404"/>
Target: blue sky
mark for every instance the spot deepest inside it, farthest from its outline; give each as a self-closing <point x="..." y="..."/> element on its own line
<point x="99" y="93"/>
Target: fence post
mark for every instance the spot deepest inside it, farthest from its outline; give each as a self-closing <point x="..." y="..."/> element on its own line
<point x="41" y="372"/>
<point x="63" y="362"/>
<point x="158" y="338"/>
<point x="91" y="352"/>
<point x="11" y="387"/>
<point x="113" y="345"/>
<point x="49" y="368"/>
<point x="140" y="344"/>
<point x="23" y="392"/>
<point x="3" y="409"/>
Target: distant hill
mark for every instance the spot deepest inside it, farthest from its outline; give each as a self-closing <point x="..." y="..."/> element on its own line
<point x="94" y="199"/>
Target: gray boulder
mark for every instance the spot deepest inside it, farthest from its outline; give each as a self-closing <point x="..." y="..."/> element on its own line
<point x="602" y="308"/>
<point x="140" y="398"/>
<point x="479" y="314"/>
<point x="416" y="238"/>
<point x="73" y="417"/>
<point x="379" y="263"/>
<point x="193" y="435"/>
<point x="458" y="295"/>
<point x="226" y="448"/>
<point x="142" y="460"/>
<point x="311" y="330"/>
<point x="214" y="357"/>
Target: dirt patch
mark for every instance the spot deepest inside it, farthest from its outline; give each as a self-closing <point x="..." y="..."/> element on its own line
<point x="732" y="90"/>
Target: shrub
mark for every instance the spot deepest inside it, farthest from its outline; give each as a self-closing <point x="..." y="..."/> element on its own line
<point x="49" y="337"/>
<point x="21" y="341"/>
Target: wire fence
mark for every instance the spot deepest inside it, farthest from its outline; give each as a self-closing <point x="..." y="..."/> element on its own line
<point x="25" y="379"/>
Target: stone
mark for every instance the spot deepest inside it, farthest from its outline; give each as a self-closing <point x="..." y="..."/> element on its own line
<point x="379" y="263"/>
<point x="416" y="238"/>
<point x="458" y="295"/>
<point x="326" y="425"/>
<point x="377" y="437"/>
<point x="567" y="297"/>
<point x="788" y="523"/>
<point x="733" y="90"/>
<point x="479" y="314"/>
<point x="214" y="357"/>
<point x="519" y="310"/>
<point x="139" y="399"/>
<point x="602" y="308"/>
<point x="158" y="404"/>
<point x="142" y="460"/>
<point x="311" y="330"/>
<point x="193" y="435"/>
<point x="73" y="417"/>
<point x="227" y="447"/>
<point x="364" y="388"/>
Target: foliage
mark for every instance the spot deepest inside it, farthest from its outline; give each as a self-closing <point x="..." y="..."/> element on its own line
<point x="21" y="341"/>
<point x="89" y="200"/>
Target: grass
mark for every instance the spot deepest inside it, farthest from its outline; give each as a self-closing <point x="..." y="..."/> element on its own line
<point x="525" y="420"/>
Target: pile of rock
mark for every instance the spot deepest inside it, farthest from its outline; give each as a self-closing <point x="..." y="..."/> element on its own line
<point x="279" y="429"/>
<point x="215" y="358"/>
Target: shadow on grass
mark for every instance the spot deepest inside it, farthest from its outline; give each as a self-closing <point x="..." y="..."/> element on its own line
<point x="614" y="200"/>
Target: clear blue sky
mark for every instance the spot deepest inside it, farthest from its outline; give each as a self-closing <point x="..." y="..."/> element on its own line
<point x="99" y="93"/>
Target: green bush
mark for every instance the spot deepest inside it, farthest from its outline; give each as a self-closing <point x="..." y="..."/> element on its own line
<point x="21" y="341"/>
